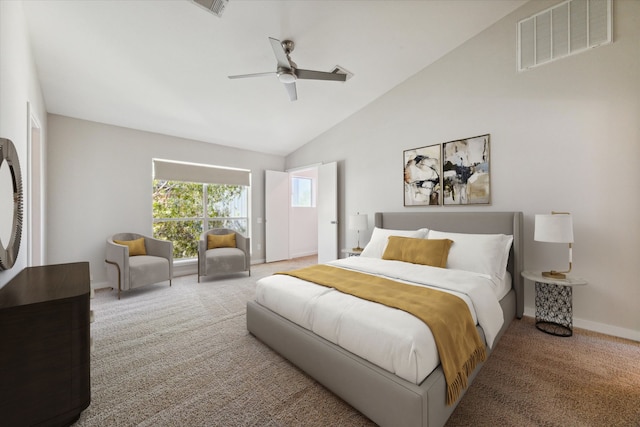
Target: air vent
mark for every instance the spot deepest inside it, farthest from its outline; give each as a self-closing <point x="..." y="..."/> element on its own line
<point x="566" y="29"/>
<point x="214" y="6"/>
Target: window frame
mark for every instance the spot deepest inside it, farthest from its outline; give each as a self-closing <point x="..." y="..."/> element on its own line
<point x="205" y="219"/>
<point x="295" y="198"/>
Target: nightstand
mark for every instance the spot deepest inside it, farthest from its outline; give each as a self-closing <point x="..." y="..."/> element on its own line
<point x="351" y="252"/>
<point x="554" y="312"/>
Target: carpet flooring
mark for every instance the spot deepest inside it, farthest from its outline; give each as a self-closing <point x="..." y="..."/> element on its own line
<point x="181" y="356"/>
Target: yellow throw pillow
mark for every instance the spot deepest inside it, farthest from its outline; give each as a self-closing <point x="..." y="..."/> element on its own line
<point x="221" y="241"/>
<point x="433" y="252"/>
<point x="136" y="247"/>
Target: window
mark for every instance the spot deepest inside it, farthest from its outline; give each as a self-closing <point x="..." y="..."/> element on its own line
<point x="301" y="192"/>
<point x="189" y="198"/>
<point x="179" y="213"/>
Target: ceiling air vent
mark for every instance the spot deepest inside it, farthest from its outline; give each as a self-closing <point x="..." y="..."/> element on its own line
<point x="566" y="29"/>
<point x="214" y="6"/>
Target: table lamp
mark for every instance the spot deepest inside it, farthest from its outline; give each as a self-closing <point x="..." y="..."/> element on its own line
<point x="358" y="222"/>
<point x="555" y="228"/>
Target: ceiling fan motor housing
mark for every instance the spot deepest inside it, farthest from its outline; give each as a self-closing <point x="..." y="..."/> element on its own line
<point x="286" y="76"/>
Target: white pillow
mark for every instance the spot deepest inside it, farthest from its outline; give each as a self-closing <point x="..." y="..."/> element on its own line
<point x="380" y="237"/>
<point x="479" y="253"/>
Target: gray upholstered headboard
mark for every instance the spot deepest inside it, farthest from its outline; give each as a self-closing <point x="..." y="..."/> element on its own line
<point x="469" y="222"/>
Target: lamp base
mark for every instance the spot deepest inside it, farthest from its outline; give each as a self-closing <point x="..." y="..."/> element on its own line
<point x="357" y="249"/>
<point x="554" y="274"/>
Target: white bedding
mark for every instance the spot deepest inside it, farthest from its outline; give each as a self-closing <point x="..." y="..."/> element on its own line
<point x="391" y="339"/>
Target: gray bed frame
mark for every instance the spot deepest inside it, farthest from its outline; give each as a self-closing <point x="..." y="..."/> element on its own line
<point x="381" y="396"/>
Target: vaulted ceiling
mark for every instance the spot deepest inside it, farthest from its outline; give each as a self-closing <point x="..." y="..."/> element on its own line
<point x="162" y="66"/>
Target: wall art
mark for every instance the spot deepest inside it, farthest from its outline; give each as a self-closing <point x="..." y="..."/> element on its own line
<point x="451" y="173"/>
<point x="422" y="176"/>
<point x="465" y="171"/>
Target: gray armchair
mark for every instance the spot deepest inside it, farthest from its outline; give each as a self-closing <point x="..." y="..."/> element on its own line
<point x="133" y="271"/>
<point x="223" y="259"/>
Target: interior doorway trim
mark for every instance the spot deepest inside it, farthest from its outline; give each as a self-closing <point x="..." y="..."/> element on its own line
<point x="301" y="168"/>
<point x="35" y="190"/>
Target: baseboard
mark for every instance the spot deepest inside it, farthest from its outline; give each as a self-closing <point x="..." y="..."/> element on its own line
<point x="185" y="267"/>
<point x="101" y="285"/>
<point x="616" y="331"/>
<point x="303" y="254"/>
<point x="180" y="268"/>
<point x="602" y="328"/>
<point x="190" y="266"/>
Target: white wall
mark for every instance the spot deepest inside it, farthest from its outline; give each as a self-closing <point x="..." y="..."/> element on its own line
<point x="100" y="183"/>
<point x="18" y="88"/>
<point x="564" y="136"/>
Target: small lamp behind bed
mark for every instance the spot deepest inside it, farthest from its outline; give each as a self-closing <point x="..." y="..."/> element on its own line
<point x="555" y="228"/>
<point x="358" y="222"/>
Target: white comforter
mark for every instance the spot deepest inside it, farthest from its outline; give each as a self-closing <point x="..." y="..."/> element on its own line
<point x="389" y="338"/>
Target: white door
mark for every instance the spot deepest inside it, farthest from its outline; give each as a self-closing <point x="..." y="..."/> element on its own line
<point x="327" y="203"/>
<point x="276" y="220"/>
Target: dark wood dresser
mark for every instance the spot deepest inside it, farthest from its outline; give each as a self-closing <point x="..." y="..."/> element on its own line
<point x="45" y="346"/>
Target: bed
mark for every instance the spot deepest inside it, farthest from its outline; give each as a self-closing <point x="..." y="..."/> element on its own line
<point x="384" y="397"/>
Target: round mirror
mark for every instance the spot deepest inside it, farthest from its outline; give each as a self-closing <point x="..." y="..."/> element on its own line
<point x="10" y="204"/>
<point x="6" y="202"/>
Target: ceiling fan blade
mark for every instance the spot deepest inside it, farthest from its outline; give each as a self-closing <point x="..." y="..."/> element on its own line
<point x="243" y="76"/>
<point x="281" y="55"/>
<point x="320" y="75"/>
<point x="291" y="90"/>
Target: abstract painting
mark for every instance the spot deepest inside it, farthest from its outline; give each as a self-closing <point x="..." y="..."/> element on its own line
<point x="465" y="171"/>
<point x="422" y="173"/>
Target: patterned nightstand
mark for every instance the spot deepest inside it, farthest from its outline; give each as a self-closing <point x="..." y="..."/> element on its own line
<point x="554" y="311"/>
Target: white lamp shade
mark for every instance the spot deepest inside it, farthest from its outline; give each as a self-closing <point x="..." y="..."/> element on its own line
<point x="556" y="228"/>
<point x="358" y="222"/>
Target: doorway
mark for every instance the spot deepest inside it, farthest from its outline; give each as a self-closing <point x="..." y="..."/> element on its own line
<point x="297" y="225"/>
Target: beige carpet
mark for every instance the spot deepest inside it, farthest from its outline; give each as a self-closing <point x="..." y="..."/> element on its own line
<point x="536" y="379"/>
<point x="181" y="356"/>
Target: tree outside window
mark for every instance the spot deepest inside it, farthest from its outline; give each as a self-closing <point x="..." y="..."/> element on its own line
<point x="179" y="213"/>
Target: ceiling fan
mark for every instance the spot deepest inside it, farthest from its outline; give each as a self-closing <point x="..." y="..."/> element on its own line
<point x="288" y="72"/>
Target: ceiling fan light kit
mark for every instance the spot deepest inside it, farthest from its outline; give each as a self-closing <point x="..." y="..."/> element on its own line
<point x="288" y="72"/>
<point x="286" y="76"/>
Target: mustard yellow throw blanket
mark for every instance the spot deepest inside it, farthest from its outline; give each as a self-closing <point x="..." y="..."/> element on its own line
<point x="448" y="316"/>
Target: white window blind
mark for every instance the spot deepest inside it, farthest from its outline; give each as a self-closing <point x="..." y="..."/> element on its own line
<point x="194" y="172"/>
<point x="568" y="28"/>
